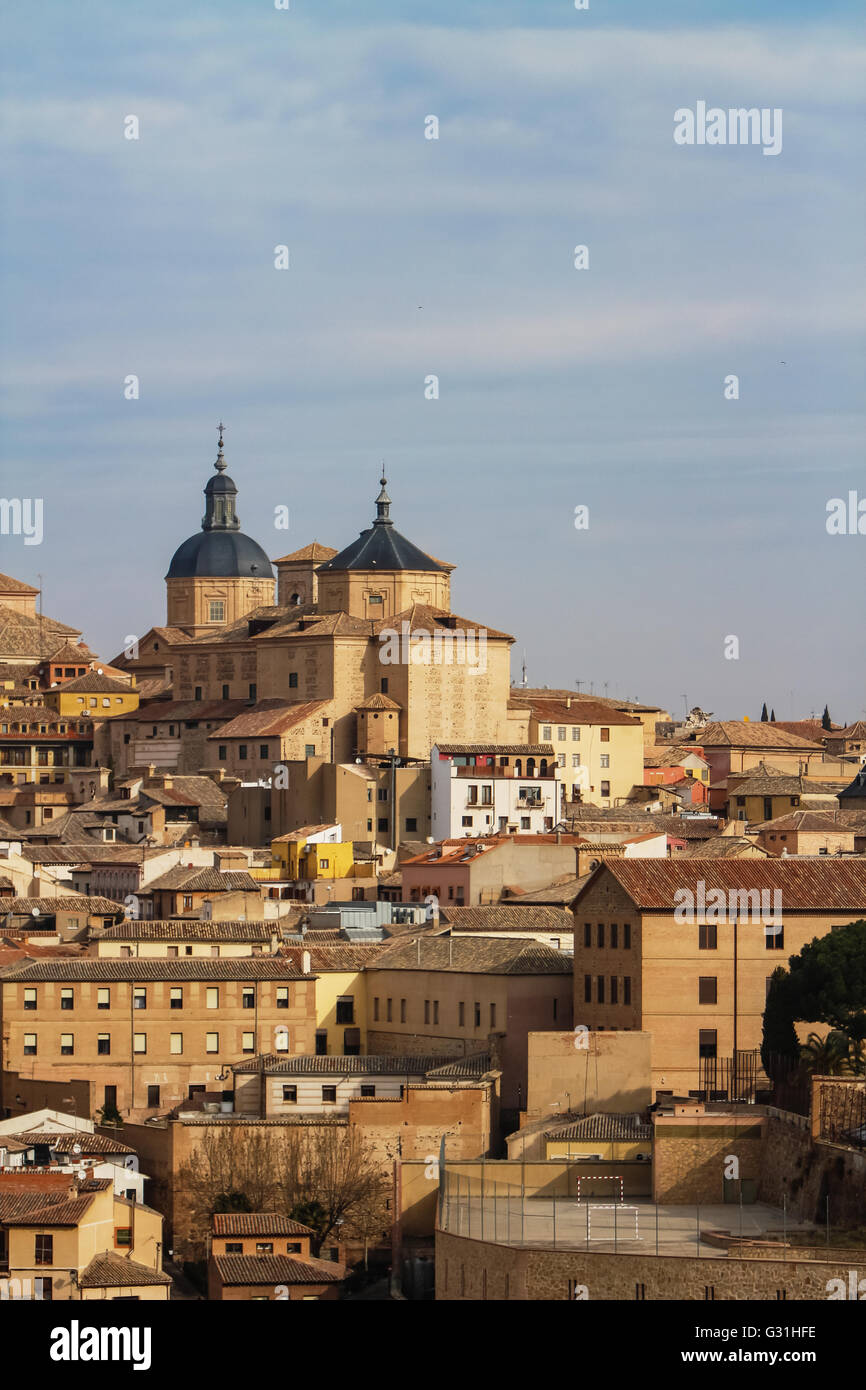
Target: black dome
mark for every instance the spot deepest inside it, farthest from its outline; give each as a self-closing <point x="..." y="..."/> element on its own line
<point x="380" y="547"/>
<point x="220" y="554"/>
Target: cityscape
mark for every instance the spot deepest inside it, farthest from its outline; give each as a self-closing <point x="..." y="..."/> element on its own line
<point x="379" y="920"/>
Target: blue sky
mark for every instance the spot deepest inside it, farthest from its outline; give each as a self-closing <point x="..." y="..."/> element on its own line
<point x="557" y="387"/>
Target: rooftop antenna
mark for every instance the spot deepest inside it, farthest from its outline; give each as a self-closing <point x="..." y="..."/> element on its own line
<point x="606" y="683"/>
<point x="578" y="684"/>
<point x="523" y="681"/>
<point x="42" y="651"/>
<point x="686" y="703"/>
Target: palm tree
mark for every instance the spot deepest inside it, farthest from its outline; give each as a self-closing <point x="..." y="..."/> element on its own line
<point x="828" y="1056"/>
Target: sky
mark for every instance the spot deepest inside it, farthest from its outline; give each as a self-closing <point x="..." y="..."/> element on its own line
<point x="411" y="257"/>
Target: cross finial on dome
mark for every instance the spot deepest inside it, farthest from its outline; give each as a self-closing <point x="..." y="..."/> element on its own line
<point x="220" y="464"/>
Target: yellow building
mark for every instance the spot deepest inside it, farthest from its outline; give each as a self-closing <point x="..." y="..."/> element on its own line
<point x="97" y="696"/>
<point x="313" y="852"/>
<point x="81" y="1241"/>
<point x="598" y="749"/>
<point x="341" y="994"/>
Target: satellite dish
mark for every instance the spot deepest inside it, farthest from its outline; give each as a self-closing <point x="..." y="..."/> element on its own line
<point x="34" y="912"/>
<point x="76" y="1148"/>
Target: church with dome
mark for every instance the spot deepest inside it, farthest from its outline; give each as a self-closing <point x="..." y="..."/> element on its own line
<point x="298" y="654"/>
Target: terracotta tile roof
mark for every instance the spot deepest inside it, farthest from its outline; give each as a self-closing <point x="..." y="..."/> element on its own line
<point x="336" y="958"/>
<point x="257" y="1223"/>
<point x="422" y="618"/>
<point x="504" y="917"/>
<point x="8" y="585"/>
<point x="580" y="712"/>
<point x="303" y="833"/>
<point x="560" y="696"/>
<point x="518" y="750"/>
<point x="112" y="1271"/>
<point x="66" y="1212"/>
<point x="23" y="635"/>
<point x="135" y="970"/>
<point x="732" y="733"/>
<point x="385" y="1064"/>
<point x="71" y="902"/>
<point x="472" y="955"/>
<point x="811" y="729"/>
<point x="562" y="890"/>
<point x="94" y="682"/>
<point x="174" y="930"/>
<point x="269" y="718"/>
<point x="314" y="551"/>
<point x="273" y="1270"/>
<point x="856" y="730"/>
<point x="197" y="880"/>
<point x="724" y="847"/>
<point x="807" y="885"/>
<point x="605" y="1128"/>
<point x="805" y="822"/>
<point x="64" y="1140"/>
<point x="378" y="701"/>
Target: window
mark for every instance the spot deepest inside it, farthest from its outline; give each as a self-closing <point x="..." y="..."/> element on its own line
<point x="197" y="693"/>
<point x="346" y="1008"/>
<point x="103" y="1044"/>
<point x="67" y="1045"/>
<point x="242" y="752"/>
<point x="477" y="1013"/>
<point x="248" y="997"/>
<point x="222" y="752"/>
<point x="560" y="760"/>
<point x="411" y="823"/>
<point x="139" y="997"/>
<point x="604" y="760"/>
<point x="525" y="823"/>
<point x="389" y="1010"/>
<point x="587" y="989"/>
<point x="282" y="996"/>
<point x="329" y="1095"/>
<point x="626" y="989"/>
<point x="252" y="692"/>
<point x="152" y="1097"/>
<point x="383" y="686"/>
<point x="614" y="990"/>
<point x="707" y="1042"/>
<point x="605" y="735"/>
<point x="466" y="820"/>
<point x="600" y="989"/>
<point x="290" y="1095"/>
<point x="708" y="936"/>
<point x="139" y="1042"/>
<point x="605" y="789"/>
<point x="263" y="751"/>
<point x="123" y="1237"/>
<point x="216" y="611"/>
<point x="187" y="902"/>
<point x="614" y="935"/>
<point x="293" y="680"/>
<point x="626" y="936"/>
<point x="248" y="1042"/>
<point x="575" y="760"/>
<point x="575" y="734"/>
<point x="324" y="863"/>
<point x="309" y="750"/>
<point x="707" y="989"/>
<point x="213" y="997"/>
<point x="44" y="1250"/>
<point x="774" y="942"/>
<point x="600" y="937"/>
<point x="587" y="933"/>
<point x="461" y="1014"/>
<point x="321" y="1042"/>
<point x="435" y="1010"/>
<point x="30" y="998"/>
<point x="264" y="1247"/>
<point x="212" y="1042"/>
<point x="546" y="732"/>
<point x="426" y="1010"/>
<point x="376" y="1009"/>
<point x="176" y="997"/>
<point x="176" y="1043"/>
<point x="234" y="1247"/>
<point x="561" y="732"/>
<point x="368" y="1092"/>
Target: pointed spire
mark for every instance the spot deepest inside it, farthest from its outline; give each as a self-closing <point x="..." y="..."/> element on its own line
<point x="383" y="504"/>
<point x="220" y="493"/>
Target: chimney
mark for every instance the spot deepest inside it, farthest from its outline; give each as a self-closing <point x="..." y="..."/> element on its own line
<point x="167" y="781"/>
<point x="305" y="962"/>
<point x="568" y="702"/>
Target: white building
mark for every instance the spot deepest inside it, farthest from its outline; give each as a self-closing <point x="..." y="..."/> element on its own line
<point x="479" y="789"/>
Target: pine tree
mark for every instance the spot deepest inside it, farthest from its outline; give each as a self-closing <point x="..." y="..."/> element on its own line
<point x="764" y="714"/>
<point x="772" y="716"/>
<point x="826" y="722"/>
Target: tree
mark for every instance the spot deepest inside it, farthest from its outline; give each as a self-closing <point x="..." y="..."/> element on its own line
<point x="764" y="715"/>
<point x="330" y="1172"/>
<point x="772" y="716"/>
<point x="825" y="983"/>
<point x="827" y="1056"/>
<point x="231" y="1170"/>
<point x="826" y="721"/>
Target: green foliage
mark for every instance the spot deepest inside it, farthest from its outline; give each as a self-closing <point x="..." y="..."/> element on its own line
<point x="110" y="1115"/>
<point x="826" y="722"/>
<point x="232" y="1201"/>
<point x="764" y="715"/>
<point x="312" y="1214"/>
<point x="825" y="983"/>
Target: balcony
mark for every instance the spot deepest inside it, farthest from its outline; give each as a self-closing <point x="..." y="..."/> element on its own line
<point x="484" y="774"/>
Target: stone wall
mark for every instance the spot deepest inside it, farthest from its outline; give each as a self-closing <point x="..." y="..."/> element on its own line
<point x="472" y="1270"/>
<point x="807" y="1172"/>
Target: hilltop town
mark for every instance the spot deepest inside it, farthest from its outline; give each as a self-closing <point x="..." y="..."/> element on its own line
<point x="334" y="964"/>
